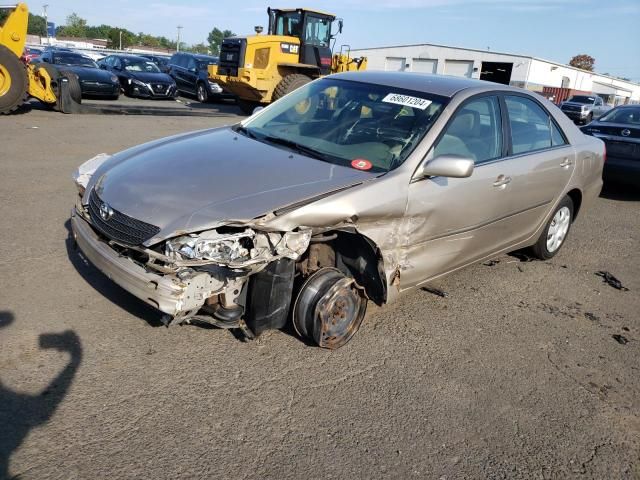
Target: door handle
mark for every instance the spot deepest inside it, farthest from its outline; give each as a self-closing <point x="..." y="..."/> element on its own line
<point x="566" y="163"/>
<point x="501" y="181"/>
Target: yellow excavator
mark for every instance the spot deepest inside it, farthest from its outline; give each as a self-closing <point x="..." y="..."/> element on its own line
<point x="259" y="69"/>
<point x="19" y="80"/>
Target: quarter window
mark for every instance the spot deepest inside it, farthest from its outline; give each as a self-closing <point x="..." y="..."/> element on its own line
<point x="532" y="128"/>
<point x="474" y="132"/>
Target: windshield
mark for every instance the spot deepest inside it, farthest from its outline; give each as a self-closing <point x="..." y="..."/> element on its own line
<point x="288" y="23"/>
<point x="626" y="115"/>
<point x="365" y="126"/>
<point x="582" y="99"/>
<point x="79" y="60"/>
<point x="139" y="65"/>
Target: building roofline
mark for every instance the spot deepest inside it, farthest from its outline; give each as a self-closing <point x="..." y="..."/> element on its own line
<point x="530" y="57"/>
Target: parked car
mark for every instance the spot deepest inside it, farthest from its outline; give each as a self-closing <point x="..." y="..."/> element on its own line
<point x="31" y="52"/>
<point x="190" y="73"/>
<point x="584" y="108"/>
<point x="93" y="81"/>
<point x="356" y="187"/>
<point x="161" y="61"/>
<point x="139" y="76"/>
<point x="620" y="130"/>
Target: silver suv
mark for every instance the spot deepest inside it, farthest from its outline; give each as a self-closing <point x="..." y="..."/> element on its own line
<point x="584" y="108"/>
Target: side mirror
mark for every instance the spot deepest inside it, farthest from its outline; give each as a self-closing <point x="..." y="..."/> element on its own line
<point x="452" y="166"/>
<point x="340" y="25"/>
<point x="257" y="109"/>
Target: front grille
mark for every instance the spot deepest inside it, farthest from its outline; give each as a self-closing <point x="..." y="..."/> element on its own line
<point x="571" y="108"/>
<point x="119" y="227"/>
<point x="159" y="88"/>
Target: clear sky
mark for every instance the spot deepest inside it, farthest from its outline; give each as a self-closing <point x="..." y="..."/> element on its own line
<point x="608" y="30"/>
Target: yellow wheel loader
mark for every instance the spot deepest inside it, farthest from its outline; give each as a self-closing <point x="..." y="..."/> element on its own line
<point x="18" y="80"/>
<point x="259" y="69"/>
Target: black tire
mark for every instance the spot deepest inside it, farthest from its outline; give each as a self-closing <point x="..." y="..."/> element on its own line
<point x="247" y="106"/>
<point x="75" y="91"/>
<point x="329" y="309"/>
<point x="114" y="97"/>
<point x="13" y="95"/>
<point x="202" y="93"/>
<point x="289" y="83"/>
<point x="542" y="249"/>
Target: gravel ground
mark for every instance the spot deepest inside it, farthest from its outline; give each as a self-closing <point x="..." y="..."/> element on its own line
<point x="515" y="374"/>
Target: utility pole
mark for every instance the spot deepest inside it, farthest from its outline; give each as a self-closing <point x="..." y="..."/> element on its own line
<point x="46" y="23"/>
<point x="178" y="44"/>
<point x="120" y="39"/>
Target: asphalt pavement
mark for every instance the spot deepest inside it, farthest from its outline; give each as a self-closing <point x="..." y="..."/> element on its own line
<point x="524" y="370"/>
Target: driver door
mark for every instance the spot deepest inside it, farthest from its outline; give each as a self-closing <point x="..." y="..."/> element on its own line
<point x="452" y="221"/>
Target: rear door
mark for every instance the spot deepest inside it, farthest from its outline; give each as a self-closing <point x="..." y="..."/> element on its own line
<point x="542" y="159"/>
<point x="191" y="75"/>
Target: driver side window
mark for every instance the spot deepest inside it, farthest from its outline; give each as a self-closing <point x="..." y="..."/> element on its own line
<point x="475" y="132"/>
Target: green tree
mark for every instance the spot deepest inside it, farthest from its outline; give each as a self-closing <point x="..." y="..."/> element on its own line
<point x="215" y="39"/>
<point x="199" y="48"/>
<point x="101" y="31"/>
<point x="113" y="40"/>
<point x="37" y="25"/>
<point x="583" y="61"/>
<point x="75" y="26"/>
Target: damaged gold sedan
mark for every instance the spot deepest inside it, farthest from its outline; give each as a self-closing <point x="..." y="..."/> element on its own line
<point x="353" y="188"/>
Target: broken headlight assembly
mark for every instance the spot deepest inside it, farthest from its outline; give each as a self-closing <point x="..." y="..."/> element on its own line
<point x="84" y="172"/>
<point x="237" y="248"/>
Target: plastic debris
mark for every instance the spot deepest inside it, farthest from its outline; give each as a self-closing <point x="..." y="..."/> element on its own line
<point x="622" y="340"/>
<point x="435" y="291"/>
<point x="491" y="263"/>
<point x="608" y="278"/>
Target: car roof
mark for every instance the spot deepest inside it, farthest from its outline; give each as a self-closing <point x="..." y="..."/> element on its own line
<point x="125" y="55"/>
<point x="444" y="85"/>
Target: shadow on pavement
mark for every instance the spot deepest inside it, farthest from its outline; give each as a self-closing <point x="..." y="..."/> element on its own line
<point x="613" y="190"/>
<point x="19" y="412"/>
<point x="107" y="288"/>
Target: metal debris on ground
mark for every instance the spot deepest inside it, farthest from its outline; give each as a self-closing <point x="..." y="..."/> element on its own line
<point x="591" y="316"/>
<point x="491" y="263"/>
<point x="435" y="291"/>
<point x="622" y="340"/>
<point x="607" y="277"/>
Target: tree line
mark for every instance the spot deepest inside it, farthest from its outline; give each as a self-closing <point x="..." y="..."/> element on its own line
<point x="77" y="27"/>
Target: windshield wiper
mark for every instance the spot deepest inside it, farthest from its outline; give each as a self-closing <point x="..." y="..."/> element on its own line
<point x="298" y="147"/>
<point x="244" y="130"/>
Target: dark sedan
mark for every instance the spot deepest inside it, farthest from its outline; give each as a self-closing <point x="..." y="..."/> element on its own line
<point x="139" y="76"/>
<point x="93" y="81"/>
<point x="620" y="131"/>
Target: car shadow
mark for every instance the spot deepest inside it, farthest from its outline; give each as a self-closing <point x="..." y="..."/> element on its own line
<point x="107" y="288"/>
<point x="613" y="190"/>
<point x="19" y="412"/>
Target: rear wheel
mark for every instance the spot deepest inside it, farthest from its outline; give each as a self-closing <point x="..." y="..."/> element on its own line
<point x="555" y="231"/>
<point x="329" y="308"/>
<point x="14" y="83"/>
<point x="202" y="93"/>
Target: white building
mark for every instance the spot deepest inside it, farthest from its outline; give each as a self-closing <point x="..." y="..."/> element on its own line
<point x="549" y="78"/>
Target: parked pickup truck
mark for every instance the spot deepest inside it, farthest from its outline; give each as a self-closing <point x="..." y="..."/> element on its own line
<point x="584" y="108"/>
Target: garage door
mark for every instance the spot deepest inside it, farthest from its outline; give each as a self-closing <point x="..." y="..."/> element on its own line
<point x="424" y="65"/>
<point x="395" y="64"/>
<point x="459" y="68"/>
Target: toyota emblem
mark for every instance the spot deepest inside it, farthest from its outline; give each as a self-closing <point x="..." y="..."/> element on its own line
<point x="626" y="132"/>
<point x="106" y="212"/>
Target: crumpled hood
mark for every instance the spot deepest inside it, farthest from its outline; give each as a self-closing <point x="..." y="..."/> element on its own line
<point x="151" y="77"/>
<point x="196" y="181"/>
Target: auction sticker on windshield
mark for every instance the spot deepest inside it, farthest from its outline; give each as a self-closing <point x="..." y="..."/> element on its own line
<point x="407" y="101"/>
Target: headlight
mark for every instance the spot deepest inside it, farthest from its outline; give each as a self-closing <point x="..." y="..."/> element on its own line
<point x="114" y="79"/>
<point x="245" y="247"/>
<point x="215" y="87"/>
<point x="85" y="171"/>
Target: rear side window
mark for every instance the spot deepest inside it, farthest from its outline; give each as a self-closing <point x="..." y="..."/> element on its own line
<point x="532" y="128"/>
<point x="475" y="131"/>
